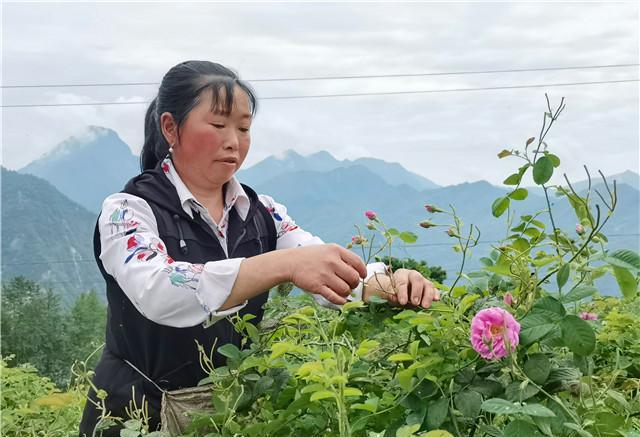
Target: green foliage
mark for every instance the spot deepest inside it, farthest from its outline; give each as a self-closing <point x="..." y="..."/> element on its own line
<point x="32" y="405"/>
<point x="36" y="329"/>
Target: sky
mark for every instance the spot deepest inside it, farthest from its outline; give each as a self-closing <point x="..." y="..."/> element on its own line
<point x="447" y="137"/>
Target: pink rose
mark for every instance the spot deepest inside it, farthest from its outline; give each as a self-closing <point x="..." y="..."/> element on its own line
<point x="370" y="215"/>
<point x="507" y="299"/>
<point x="358" y="240"/>
<point x="588" y="316"/>
<point x="494" y="333"/>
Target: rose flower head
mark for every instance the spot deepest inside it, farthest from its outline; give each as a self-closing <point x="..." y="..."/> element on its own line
<point x="494" y="333"/>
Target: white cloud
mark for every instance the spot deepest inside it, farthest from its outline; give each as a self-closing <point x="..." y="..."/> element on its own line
<point x="448" y="137"/>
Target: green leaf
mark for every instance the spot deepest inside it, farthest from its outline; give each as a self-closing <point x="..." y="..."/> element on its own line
<point x="352" y="305"/>
<point x="252" y="332"/>
<point x="542" y="170"/>
<point x="519" y="194"/>
<point x="468" y="402"/>
<point x="626" y="281"/>
<point x="578" y="335"/>
<point x="554" y="159"/>
<point x="402" y="356"/>
<point x="499" y="206"/>
<point x="520" y="428"/>
<point x="322" y="394"/>
<point x="405" y="378"/>
<point x="537" y="368"/>
<point x="366" y="346"/>
<point x="500" y="406"/>
<point x="563" y="275"/>
<point x="533" y="233"/>
<point x="229" y="350"/>
<point x="437" y="433"/>
<point x="504" y="153"/>
<point x="393" y="231"/>
<point x="513" y="179"/>
<point x="129" y="433"/>
<point x="550" y="307"/>
<point x="537" y="410"/>
<point x="352" y="391"/>
<point x="535" y="327"/>
<point x="627" y="259"/>
<point x="133" y="424"/>
<point x="619" y="398"/>
<point x="578" y="293"/>
<point x="408" y="237"/>
<point x="408" y="430"/>
<point x="437" y="412"/>
<point x="519" y="391"/>
<point x="578" y="429"/>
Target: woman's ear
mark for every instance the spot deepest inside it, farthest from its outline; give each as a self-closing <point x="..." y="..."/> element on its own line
<point x="169" y="128"/>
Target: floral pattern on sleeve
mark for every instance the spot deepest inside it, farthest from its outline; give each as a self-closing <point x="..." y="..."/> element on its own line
<point x="122" y="220"/>
<point x="185" y="275"/>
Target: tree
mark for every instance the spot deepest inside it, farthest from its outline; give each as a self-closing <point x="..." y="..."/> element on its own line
<point x="33" y="327"/>
<point x="86" y="323"/>
<point x="435" y="273"/>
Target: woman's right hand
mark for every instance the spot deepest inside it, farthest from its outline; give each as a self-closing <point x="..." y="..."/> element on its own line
<point x="326" y="269"/>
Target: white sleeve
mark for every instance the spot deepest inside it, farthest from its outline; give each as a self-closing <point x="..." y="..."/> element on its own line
<point x="291" y="235"/>
<point x="168" y="292"/>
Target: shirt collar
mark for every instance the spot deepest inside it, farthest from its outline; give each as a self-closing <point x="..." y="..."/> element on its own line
<point x="234" y="196"/>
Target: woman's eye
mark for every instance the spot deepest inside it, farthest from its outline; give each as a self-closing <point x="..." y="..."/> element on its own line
<point x="217" y="125"/>
<point x="244" y="129"/>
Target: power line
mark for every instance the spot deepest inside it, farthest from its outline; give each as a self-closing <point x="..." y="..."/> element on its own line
<point x="361" y="76"/>
<point x="404" y="247"/>
<point x="388" y="93"/>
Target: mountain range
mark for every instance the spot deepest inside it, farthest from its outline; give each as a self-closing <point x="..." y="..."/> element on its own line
<point x="48" y="215"/>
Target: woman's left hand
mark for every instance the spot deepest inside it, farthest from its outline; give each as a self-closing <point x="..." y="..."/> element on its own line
<point x="411" y="288"/>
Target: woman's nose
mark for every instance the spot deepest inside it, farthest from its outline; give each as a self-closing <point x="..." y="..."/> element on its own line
<point x="232" y="141"/>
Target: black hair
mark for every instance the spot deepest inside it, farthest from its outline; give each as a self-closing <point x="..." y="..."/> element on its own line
<point x="179" y="93"/>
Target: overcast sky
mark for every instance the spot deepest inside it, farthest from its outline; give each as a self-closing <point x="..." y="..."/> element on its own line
<point x="447" y="137"/>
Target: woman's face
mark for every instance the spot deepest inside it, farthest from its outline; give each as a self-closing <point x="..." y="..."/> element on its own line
<point x="211" y="147"/>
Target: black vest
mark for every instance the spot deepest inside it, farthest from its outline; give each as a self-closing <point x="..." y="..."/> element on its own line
<point x="167" y="355"/>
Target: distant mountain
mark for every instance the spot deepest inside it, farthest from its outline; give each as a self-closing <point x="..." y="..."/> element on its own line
<point x="392" y="173"/>
<point x="46" y="237"/>
<point x="87" y="167"/>
<point x="627" y="177"/>
<point x="325" y="196"/>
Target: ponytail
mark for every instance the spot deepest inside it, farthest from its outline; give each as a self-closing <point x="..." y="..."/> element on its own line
<point x="155" y="146"/>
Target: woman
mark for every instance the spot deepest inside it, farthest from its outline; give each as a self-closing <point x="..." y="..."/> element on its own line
<point x="185" y="244"/>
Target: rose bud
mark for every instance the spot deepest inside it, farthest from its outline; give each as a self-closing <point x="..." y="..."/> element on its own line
<point x="432" y="208"/>
<point x="427" y="224"/>
<point x="370" y="215"/>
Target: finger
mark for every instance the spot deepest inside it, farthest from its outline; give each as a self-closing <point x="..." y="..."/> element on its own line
<point x="328" y="294"/>
<point x="348" y="274"/>
<point x="429" y="294"/>
<point x="338" y="286"/>
<point x="417" y="285"/>
<point x="354" y="261"/>
<point x="436" y="292"/>
<point x="402" y="292"/>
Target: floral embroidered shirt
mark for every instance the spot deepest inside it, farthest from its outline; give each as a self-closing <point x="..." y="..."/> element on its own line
<point x="183" y="294"/>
